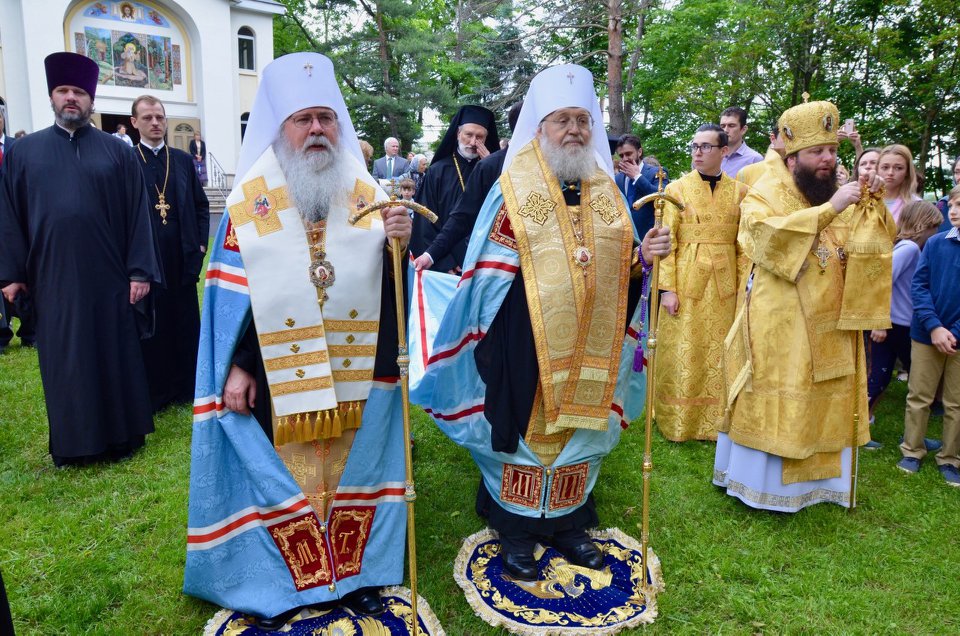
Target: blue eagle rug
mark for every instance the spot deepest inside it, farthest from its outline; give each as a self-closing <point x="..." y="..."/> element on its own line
<point x="566" y="599"/>
<point x="337" y="621"/>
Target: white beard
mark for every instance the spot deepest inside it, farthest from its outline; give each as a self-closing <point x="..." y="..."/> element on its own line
<point x="569" y="163"/>
<point x="316" y="180"/>
<point x="466" y="153"/>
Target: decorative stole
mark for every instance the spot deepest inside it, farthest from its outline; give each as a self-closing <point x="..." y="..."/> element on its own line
<point x="575" y="262"/>
<point x="315" y="296"/>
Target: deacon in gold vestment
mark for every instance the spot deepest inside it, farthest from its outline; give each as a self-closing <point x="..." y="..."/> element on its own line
<point x="794" y="359"/>
<point x="701" y="279"/>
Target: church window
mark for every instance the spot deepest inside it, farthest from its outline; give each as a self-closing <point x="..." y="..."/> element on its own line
<point x="245" y="46"/>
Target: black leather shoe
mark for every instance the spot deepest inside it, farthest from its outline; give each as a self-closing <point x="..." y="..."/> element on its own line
<point x="585" y="555"/>
<point x="276" y="622"/>
<point x="365" y="601"/>
<point x="520" y="566"/>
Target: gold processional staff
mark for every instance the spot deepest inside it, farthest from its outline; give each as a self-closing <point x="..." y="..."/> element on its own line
<point x="403" y="361"/>
<point x="659" y="199"/>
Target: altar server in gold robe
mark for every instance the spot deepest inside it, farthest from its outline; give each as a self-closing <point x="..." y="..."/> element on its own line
<point x="700" y="280"/>
<point x="794" y="360"/>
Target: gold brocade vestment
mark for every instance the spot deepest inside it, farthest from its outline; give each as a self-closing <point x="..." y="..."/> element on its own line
<point x="706" y="269"/>
<point x="577" y="307"/>
<point x="807" y="377"/>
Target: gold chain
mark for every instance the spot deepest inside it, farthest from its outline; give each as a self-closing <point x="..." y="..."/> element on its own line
<point x="162" y="206"/>
<point x="456" y="164"/>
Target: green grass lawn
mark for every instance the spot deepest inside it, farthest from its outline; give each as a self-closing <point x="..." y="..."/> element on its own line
<point x="100" y="550"/>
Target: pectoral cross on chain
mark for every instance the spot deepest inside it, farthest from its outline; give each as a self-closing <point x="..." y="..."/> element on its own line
<point x="308" y="67"/>
<point x="823" y="254"/>
<point x="162" y="207"/>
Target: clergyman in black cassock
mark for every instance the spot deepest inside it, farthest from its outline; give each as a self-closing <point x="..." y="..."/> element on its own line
<point x="457" y="227"/>
<point x="75" y="231"/>
<point x="447" y="176"/>
<point x="181" y="223"/>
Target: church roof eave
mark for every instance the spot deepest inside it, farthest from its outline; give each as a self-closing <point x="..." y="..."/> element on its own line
<point x="259" y="6"/>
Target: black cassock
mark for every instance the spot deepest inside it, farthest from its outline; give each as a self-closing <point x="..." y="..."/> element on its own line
<point x="170" y="355"/>
<point x="74" y="226"/>
<point x="440" y="191"/>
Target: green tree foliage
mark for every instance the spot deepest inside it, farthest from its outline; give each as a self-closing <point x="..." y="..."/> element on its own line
<point x="891" y="65"/>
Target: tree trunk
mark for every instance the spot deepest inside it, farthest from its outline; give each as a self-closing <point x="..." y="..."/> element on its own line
<point x="615" y="65"/>
<point x="634" y="63"/>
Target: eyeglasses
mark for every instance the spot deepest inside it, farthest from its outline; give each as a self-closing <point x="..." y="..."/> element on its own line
<point x="583" y="122"/>
<point x="326" y="120"/>
<point x="704" y="148"/>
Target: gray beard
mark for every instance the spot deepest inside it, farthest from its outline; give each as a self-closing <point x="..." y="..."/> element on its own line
<point x="466" y="153"/>
<point x="72" y="121"/>
<point x="570" y="163"/>
<point x="316" y="181"/>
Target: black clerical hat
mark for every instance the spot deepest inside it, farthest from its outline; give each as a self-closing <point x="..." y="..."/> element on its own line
<point x="71" y="69"/>
<point x="469" y="114"/>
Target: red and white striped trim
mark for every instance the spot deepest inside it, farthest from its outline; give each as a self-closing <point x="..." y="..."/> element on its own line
<point x="247" y="519"/>
<point x="227" y="277"/>
<point x="494" y="266"/>
<point x="384" y="492"/>
<point x="453" y="351"/>
<point x="386" y="383"/>
<point x="207" y="408"/>
<point x="457" y="413"/>
<point x="618" y="409"/>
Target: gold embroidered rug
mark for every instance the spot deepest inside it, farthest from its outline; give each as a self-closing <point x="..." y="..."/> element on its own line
<point x="566" y="599"/>
<point x="337" y="621"/>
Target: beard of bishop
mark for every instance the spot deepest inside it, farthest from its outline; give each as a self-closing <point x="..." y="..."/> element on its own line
<point x="316" y="179"/>
<point x="816" y="190"/>
<point x="467" y="152"/>
<point x="570" y="162"/>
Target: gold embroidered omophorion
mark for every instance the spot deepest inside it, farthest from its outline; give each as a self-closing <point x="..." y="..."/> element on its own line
<point x="577" y="313"/>
<point x="706" y="270"/>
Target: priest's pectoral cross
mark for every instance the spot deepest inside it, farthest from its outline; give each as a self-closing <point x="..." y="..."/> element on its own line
<point x="823" y="254"/>
<point x="162" y="207"/>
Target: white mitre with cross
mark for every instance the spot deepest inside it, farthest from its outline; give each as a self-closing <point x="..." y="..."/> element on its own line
<point x="291" y="83"/>
<point x="564" y="86"/>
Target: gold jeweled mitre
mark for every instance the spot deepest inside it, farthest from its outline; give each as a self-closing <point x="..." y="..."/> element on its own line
<point x="807" y="125"/>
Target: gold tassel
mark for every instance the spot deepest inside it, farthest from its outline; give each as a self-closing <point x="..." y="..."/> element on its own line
<point x="327" y="424"/>
<point x="337" y="430"/>
<point x="348" y="416"/>
<point x="359" y="417"/>
<point x="309" y="430"/>
<point x="298" y="429"/>
<point x="279" y="438"/>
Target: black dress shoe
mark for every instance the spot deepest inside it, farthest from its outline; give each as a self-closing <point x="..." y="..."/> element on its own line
<point x="585" y="555"/>
<point x="520" y="565"/>
<point x="276" y="622"/>
<point x="365" y="601"/>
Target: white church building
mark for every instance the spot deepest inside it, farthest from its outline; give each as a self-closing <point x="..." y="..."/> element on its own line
<point x="201" y="58"/>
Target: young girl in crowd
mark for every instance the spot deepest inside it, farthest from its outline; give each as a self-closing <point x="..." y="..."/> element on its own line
<point x="895" y="167"/>
<point x="919" y="220"/>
